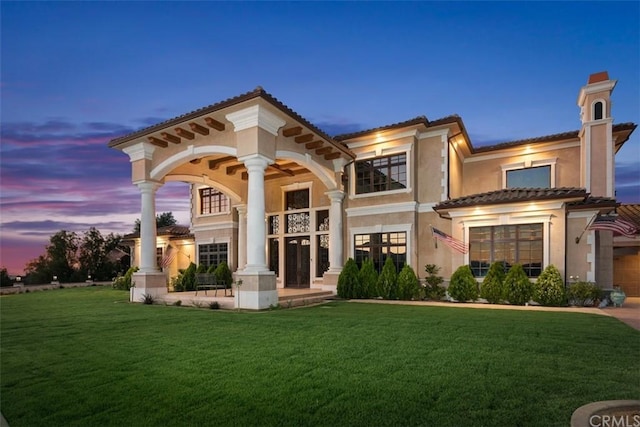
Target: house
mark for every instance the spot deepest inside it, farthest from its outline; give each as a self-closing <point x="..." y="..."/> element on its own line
<point x="285" y="204"/>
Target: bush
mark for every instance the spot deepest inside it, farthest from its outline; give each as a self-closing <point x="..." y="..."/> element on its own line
<point x="223" y="274"/>
<point x="368" y="279"/>
<point x="549" y="288"/>
<point x="348" y="280"/>
<point x="433" y="288"/>
<point x="519" y="287"/>
<point x="214" y="305"/>
<point x="463" y="286"/>
<point x="201" y="269"/>
<point x="123" y="283"/>
<point x="388" y="280"/>
<point x="147" y="299"/>
<point x="211" y="269"/>
<point x="408" y="285"/>
<point x="493" y="289"/>
<point x="583" y="294"/>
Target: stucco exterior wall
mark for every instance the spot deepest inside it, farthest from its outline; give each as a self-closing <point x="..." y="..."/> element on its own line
<point x="626" y="269"/>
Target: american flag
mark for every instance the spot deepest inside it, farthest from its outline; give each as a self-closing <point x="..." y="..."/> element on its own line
<point x="168" y="257"/>
<point x="450" y="241"/>
<point x="615" y="224"/>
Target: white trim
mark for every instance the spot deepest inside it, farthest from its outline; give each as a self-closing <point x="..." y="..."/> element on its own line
<point x="205" y="180"/>
<point x="593" y="109"/>
<point x="426" y="207"/>
<point x="191" y="152"/>
<point x="589" y="89"/>
<point x="389" y="208"/>
<point x="517" y="151"/>
<point x="307" y="185"/>
<point x="591" y="256"/>
<point x="325" y="175"/>
<point x="213" y="227"/>
<point x="527" y="164"/>
<point x="383" y="139"/>
<point x="444" y="167"/>
<point x="526" y="209"/>
<point x="386" y="228"/>
<point x="253" y="116"/>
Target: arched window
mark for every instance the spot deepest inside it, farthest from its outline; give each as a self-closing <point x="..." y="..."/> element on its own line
<point x="597" y="110"/>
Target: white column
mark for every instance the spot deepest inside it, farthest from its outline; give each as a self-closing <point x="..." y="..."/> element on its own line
<point x="256" y="231"/>
<point x="242" y="236"/>
<point x="148" y="230"/>
<point x="335" y="231"/>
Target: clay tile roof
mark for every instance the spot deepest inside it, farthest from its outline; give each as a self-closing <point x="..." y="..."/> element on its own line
<point x="170" y="230"/>
<point x="598" y="77"/>
<point x="410" y="122"/>
<point x="512" y="195"/>
<point x="631" y="213"/>
<point x="258" y="92"/>
<point x="548" y="138"/>
<point x="593" y="202"/>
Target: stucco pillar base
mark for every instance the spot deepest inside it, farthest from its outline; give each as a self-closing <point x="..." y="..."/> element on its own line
<point x="154" y="284"/>
<point x="258" y="290"/>
<point x="330" y="280"/>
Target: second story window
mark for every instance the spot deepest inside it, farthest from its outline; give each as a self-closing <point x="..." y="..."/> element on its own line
<point x="536" y="177"/>
<point x="381" y="174"/>
<point x="213" y="201"/>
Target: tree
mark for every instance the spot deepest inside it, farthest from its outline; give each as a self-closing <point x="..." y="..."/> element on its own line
<point x="549" y="288"/>
<point x="493" y="289"/>
<point x="5" y="280"/>
<point x="368" y="279"/>
<point x="463" y="286"/>
<point x="164" y="219"/>
<point x="519" y="287"/>
<point x="388" y="280"/>
<point x="60" y="259"/>
<point x="348" y="280"/>
<point x="94" y="255"/>
<point x="408" y="285"/>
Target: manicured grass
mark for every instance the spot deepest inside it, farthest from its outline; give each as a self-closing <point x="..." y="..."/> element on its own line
<point x="86" y="357"/>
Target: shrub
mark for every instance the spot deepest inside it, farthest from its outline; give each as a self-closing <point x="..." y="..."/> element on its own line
<point x="223" y="274"/>
<point x="211" y="269"/>
<point x="178" y="303"/>
<point x="388" y="280"/>
<point x="147" y="299"/>
<point x="433" y="288"/>
<point x="348" y="279"/>
<point x="519" y="287"/>
<point x="188" y="278"/>
<point x="463" y="287"/>
<point x="124" y="282"/>
<point x="549" y="288"/>
<point x="368" y="279"/>
<point x="201" y="269"/>
<point x="408" y="285"/>
<point x="583" y="293"/>
<point x="493" y="289"/>
<point x="214" y="305"/>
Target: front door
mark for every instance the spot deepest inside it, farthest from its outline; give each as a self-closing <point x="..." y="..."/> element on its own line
<point x="298" y="257"/>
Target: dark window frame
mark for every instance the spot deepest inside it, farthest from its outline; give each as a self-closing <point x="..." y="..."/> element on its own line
<point x="524" y="241"/>
<point x="213" y="201"/>
<point x="380" y="246"/>
<point x="213" y="254"/>
<point x="380" y="174"/>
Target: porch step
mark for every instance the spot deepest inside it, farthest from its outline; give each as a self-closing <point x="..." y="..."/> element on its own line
<point x="306" y="298"/>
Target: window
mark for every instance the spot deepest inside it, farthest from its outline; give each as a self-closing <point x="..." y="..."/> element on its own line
<point x="274" y="251"/>
<point x="510" y="244"/>
<point x="212" y="254"/>
<point x="597" y="111"/>
<point x="298" y="199"/>
<point x="213" y="201"/>
<point x="535" y="177"/>
<point x="381" y="174"/>
<point x="380" y="246"/>
<point x="322" y="260"/>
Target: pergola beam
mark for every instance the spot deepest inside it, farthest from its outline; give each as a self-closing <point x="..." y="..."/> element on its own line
<point x="183" y="133"/>
<point x="212" y="123"/>
<point x="199" y="128"/>
<point x="170" y="138"/>
<point x="293" y="131"/>
<point x="215" y="164"/>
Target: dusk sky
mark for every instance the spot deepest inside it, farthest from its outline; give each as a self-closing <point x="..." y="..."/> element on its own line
<point x="75" y="75"/>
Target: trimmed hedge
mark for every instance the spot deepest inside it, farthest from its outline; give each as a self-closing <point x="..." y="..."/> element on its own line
<point x="463" y="286"/>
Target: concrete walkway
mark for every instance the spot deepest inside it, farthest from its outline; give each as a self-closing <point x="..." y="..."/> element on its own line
<point x="629" y="313"/>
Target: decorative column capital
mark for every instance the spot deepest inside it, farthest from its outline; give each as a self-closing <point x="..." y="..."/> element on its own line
<point x="148" y="186"/>
<point x="242" y="209"/>
<point x="255" y="162"/>
<point x="256" y="116"/>
<point x="335" y="195"/>
<point x="139" y="151"/>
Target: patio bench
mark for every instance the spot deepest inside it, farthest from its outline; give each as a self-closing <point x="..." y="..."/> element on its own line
<point x="207" y="281"/>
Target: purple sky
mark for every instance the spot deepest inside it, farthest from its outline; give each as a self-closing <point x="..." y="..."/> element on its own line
<point x="74" y="75"/>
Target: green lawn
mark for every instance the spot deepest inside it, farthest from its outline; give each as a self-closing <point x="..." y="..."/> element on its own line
<point x="86" y="357"/>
